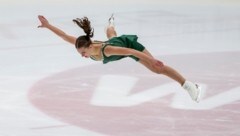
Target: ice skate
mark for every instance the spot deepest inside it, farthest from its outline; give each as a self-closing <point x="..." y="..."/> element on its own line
<point x="110" y="25"/>
<point x="194" y="90"/>
<point x="111" y="20"/>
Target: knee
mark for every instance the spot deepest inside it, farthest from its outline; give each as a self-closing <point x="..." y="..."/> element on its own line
<point x="159" y="69"/>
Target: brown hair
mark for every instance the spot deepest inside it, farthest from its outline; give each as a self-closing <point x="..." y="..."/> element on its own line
<point x="84" y="40"/>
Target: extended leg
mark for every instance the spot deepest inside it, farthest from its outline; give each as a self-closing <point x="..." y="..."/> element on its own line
<point x="193" y="89"/>
<point x="165" y="70"/>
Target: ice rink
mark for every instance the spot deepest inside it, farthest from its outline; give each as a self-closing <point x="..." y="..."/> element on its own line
<point x="48" y="89"/>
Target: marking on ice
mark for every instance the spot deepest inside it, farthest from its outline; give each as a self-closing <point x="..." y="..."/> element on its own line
<point x="114" y="91"/>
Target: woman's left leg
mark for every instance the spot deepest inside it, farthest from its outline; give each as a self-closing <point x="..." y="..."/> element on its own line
<point x="165" y="70"/>
<point x="193" y="89"/>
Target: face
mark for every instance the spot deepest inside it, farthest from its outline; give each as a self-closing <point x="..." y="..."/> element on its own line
<point x="85" y="52"/>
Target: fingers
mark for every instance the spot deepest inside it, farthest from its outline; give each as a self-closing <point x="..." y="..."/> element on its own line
<point x="41" y="16"/>
<point x="43" y="21"/>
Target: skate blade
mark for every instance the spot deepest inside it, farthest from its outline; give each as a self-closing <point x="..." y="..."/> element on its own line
<point x="199" y="94"/>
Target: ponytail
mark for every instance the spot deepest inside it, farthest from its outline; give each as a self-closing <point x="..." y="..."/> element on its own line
<point x="85" y="24"/>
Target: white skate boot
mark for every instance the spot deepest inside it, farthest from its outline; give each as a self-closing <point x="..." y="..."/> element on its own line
<point x="194" y="90"/>
<point x="111" y="21"/>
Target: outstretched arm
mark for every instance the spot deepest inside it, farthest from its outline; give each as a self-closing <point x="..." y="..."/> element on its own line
<point x="111" y="50"/>
<point x="57" y="31"/>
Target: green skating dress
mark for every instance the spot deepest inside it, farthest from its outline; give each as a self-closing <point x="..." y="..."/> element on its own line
<point x="127" y="41"/>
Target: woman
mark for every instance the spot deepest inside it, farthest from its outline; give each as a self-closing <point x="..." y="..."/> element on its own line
<point x="116" y="48"/>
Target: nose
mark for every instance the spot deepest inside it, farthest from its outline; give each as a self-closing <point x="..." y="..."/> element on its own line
<point x="84" y="55"/>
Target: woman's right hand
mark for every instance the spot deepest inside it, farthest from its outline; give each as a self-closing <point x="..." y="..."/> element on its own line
<point x="43" y="20"/>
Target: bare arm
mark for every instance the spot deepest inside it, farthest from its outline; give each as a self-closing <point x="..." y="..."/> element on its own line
<point x="57" y="31"/>
<point x="111" y="50"/>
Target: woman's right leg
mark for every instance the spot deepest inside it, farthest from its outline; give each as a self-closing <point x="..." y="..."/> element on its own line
<point x="110" y="29"/>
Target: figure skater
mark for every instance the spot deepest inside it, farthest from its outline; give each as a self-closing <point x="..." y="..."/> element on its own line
<point x="116" y="48"/>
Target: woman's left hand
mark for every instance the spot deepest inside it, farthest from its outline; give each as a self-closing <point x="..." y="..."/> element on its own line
<point x="43" y="20"/>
